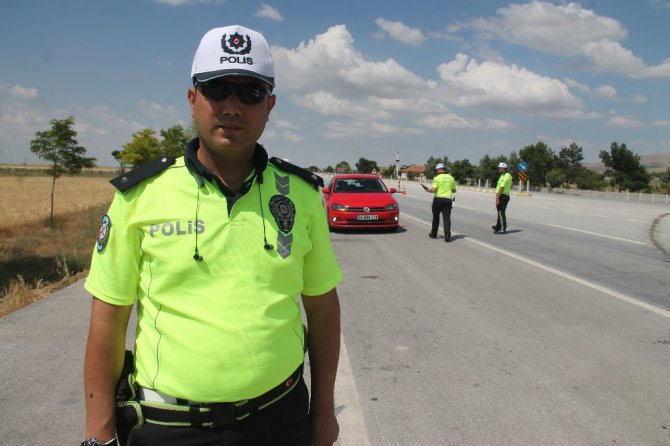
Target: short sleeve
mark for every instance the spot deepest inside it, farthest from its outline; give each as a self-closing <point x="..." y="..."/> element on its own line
<point x="321" y="271"/>
<point x="114" y="273"/>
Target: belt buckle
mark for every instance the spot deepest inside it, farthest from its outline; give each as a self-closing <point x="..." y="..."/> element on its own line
<point x="222" y="414"/>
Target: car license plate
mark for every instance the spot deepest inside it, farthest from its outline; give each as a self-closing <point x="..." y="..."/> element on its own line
<point x="367" y="217"/>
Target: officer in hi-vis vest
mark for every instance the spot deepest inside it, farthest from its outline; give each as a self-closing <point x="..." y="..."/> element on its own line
<point x="219" y="249"/>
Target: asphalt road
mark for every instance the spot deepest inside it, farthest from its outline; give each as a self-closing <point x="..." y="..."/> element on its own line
<point x="556" y="333"/>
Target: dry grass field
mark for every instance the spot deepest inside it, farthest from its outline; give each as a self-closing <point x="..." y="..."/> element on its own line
<point x="26" y="199"/>
<point x="37" y="258"/>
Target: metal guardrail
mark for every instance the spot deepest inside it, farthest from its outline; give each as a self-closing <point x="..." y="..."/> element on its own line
<point x="616" y="196"/>
<point x="619" y="196"/>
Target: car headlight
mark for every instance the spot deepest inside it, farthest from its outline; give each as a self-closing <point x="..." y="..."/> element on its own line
<point x="339" y="207"/>
<point x="391" y="207"/>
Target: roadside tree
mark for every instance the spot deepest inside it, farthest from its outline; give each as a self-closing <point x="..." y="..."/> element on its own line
<point x="59" y="146"/>
<point x="366" y="166"/>
<point x="117" y="156"/>
<point x="540" y="160"/>
<point x="571" y="161"/>
<point x="487" y="170"/>
<point x="624" y="168"/>
<point x="174" y="141"/>
<point x="141" y="149"/>
<point x="434" y="161"/>
<point x="462" y="170"/>
<point x="342" y="167"/>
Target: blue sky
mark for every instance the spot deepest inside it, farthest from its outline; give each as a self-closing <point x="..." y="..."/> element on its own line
<point x="354" y="78"/>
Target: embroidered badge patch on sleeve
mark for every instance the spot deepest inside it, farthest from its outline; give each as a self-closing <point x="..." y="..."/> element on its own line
<point x="103" y="234"/>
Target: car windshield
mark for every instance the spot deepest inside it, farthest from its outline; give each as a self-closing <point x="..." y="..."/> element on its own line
<point x="359" y="185"/>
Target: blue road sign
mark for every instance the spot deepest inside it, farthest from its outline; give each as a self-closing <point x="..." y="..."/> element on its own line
<point x="523" y="166"/>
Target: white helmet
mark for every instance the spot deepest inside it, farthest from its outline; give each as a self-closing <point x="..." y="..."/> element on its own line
<point x="502" y="166"/>
<point x="439" y="166"/>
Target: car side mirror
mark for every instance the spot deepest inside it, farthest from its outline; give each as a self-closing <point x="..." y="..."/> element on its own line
<point x="393" y="190"/>
<point x="325" y="190"/>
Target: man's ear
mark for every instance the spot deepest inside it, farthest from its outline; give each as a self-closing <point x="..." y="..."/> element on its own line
<point x="191" y="97"/>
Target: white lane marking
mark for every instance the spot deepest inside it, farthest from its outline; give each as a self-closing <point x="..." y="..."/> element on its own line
<point x="599" y="235"/>
<point x="347" y="404"/>
<point x="586" y="283"/>
<point x="637" y="221"/>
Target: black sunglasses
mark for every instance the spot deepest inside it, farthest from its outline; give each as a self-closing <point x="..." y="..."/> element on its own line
<point x="219" y="91"/>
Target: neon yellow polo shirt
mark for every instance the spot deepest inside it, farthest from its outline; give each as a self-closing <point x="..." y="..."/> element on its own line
<point x="505" y="181"/>
<point x="444" y="185"/>
<point x="228" y="327"/>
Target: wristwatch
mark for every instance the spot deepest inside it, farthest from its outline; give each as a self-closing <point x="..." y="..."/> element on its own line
<point x="92" y="441"/>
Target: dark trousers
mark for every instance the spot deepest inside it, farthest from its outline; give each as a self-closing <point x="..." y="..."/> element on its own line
<point x="501" y="206"/>
<point x="441" y="206"/>
<point x="284" y="423"/>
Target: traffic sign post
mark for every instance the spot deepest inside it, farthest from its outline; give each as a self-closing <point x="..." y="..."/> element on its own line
<point x="522" y="175"/>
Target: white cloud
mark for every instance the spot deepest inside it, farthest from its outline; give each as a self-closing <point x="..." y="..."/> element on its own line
<point x="188" y="2"/>
<point x="451" y="120"/>
<point x="623" y="121"/>
<point x="346" y="130"/>
<point x="330" y="59"/>
<point x="284" y="124"/>
<point x="328" y="75"/>
<point x="662" y="123"/>
<point x="401" y="32"/>
<point x="639" y="99"/>
<point x="328" y="104"/>
<point x="268" y="12"/>
<point x="660" y="4"/>
<point x="293" y="137"/>
<point x="19" y="92"/>
<point x="509" y="87"/>
<point x="19" y="122"/>
<point x="157" y="111"/>
<point x="567" y="30"/>
<point x="577" y="85"/>
<point x="602" y="92"/>
<point x="605" y="92"/>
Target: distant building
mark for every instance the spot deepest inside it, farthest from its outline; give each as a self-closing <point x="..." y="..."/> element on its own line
<point x="414" y="169"/>
<point x="413" y="172"/>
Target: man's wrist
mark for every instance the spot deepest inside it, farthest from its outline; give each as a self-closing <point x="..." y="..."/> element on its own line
<point x="92" y="441"/>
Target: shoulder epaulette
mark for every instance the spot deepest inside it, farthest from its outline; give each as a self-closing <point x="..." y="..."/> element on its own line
<point x="306" y="175"/>
<point x="141" y="173"/>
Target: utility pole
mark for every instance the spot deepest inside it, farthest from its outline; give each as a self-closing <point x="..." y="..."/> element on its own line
<point x="397" y="167"/>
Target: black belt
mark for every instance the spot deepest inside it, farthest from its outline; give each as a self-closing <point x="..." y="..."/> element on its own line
<point x="215" y="414"/>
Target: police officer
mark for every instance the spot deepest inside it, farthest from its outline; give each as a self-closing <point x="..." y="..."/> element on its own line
<point x="214" y="248"/>
<point x="443" y="189"/>
<point x="502" y="198"/>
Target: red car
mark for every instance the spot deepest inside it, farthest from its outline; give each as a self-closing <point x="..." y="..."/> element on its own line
<point x="360" y="201"/>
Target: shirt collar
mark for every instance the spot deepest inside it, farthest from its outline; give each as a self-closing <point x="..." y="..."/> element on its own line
<point x="259" y="161"/>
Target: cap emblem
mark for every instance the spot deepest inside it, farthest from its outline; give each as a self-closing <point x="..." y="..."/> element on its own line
<point x="236" y="44"/>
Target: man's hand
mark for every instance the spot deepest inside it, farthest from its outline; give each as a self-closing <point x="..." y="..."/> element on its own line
<point x="325" y="429"/>
<point x="323" y="343"/>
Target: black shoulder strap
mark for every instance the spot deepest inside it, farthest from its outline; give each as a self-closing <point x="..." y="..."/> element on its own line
<point x="306" y="175"/>
<point x="146" y="170"/>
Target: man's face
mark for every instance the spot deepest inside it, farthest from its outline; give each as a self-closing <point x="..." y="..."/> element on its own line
<point x="230" y="125"/>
